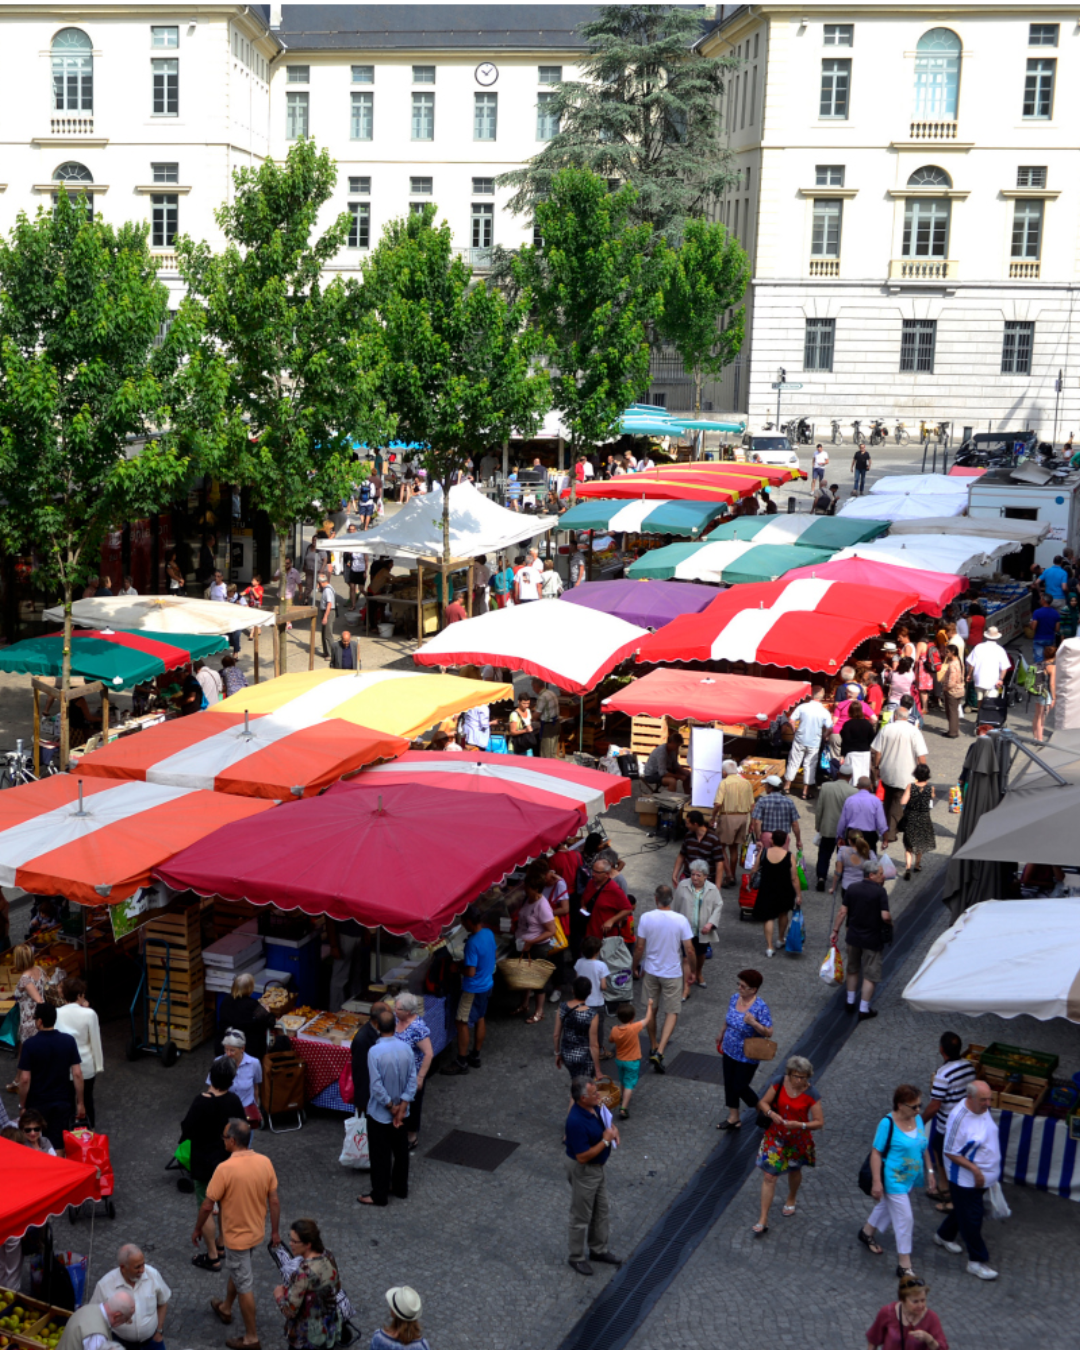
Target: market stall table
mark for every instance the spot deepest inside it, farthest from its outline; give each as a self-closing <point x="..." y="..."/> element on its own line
<point x="1039" y="1151"/>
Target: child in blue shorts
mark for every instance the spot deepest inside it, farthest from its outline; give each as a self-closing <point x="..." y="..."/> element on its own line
<point x="626" y="1039"/>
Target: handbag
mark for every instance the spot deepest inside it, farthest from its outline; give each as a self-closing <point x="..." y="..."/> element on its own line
<point x="345" y="1085"/>
<point x="759" y="1048"/>
<point x="559" y="941"/>
<point x="866" y="1177"/>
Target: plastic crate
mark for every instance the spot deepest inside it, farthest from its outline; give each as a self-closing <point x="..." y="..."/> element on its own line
<point x="1015" y="1059"/>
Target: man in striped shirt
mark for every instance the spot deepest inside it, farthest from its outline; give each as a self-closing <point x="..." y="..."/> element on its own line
<point x="946" y="1093"/>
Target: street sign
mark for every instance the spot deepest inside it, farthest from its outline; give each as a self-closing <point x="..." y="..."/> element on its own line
<point x="787" y="386"/>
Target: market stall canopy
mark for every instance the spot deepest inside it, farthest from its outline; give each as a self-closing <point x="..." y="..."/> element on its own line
<point x="934" y="589"/>
<point x="477" y="525"/>
<point x="920" y="485"/>
<point x="727" y="560"/>
<point x="896" y="507"/>
<point x="568" y="645"/>
<point x="1011" y="958"/>
<point x="647" y="604"/>
<point x="116" y="659"/>
<point x="689" y="694"/>
<point x="397" y="702"/>
<point x="805" y="625"/>
<point x="644" y="517"/>
<point x="822" y="532"/>
<point x="662" y="485"/>
<point x="162" y="614"/>
<point x="1023" y="531"/>
<point x="549" y="782"/>
<point x="258" y="757"/>
<point x="403" y="857"/>
<point x="36" y="1187"/>
<point x="773" y="474"/>
<point x="104" y="851"/>
<point x="963" y="555"/>
<point x="1031" y="824"/>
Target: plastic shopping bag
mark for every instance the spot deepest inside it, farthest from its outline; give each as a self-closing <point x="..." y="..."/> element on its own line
<point x="999" y="1208"/>
<point x="796" y="933"/>
<point x="751" y="855"/>
<point x="888" y="867"/>
<point x="832" y="968"/>
<point x="800" y="872"/>
<point x="81" y="1145"/>
<point x="354" y="1151"/>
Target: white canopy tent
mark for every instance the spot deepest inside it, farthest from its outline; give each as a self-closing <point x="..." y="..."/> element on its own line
<point x="971" y="555"/>
<point x="921" y="485"/>
<point x="162" y="614"/>
<point x="1006" y="957"/>
<point x="910" y="508"/>
<point x="1023" y="531"/>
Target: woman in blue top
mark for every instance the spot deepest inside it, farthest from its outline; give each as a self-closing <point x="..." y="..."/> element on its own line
<point x="896" y="1166"/>
<point x="747" y="1016"/>
<point x="404" y="1325"/>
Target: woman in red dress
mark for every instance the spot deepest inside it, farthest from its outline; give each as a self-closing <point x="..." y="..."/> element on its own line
<point x="794" y="1112"/>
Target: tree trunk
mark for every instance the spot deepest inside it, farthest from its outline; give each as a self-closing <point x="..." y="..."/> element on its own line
<point x="697" y="391"/>
<point x="445" y="596"/>
<point x="283" y="604"/>
<point x="65" y="679"/>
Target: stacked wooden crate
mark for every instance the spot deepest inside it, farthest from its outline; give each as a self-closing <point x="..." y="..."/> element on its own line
<point x="230" y="914"/>
<point x="181" y="1018"/>
<point x="649" y="732"/>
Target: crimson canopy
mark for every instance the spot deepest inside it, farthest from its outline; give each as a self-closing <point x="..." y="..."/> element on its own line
<point x="405" y="857"/>
<point x="695" y="695"/>
<point x="36" y="1187"/>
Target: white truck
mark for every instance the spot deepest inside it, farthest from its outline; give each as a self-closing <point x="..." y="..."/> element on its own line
<point x="1030" y="492"/>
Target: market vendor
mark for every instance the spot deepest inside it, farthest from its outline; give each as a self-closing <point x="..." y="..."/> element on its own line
<point x="662" y="768"/>
<point x="242" y="1010"/>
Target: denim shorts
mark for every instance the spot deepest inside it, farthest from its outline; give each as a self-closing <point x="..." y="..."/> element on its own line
<point x="472" y="1007"/>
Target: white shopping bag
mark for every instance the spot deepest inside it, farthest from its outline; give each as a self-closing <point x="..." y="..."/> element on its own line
<point x="832" y="968"/>
<point x="999" y="1206"/>
<point x="354" y="1151"/>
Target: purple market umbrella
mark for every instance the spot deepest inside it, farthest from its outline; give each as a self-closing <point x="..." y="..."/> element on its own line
<point x="649" y="604"/>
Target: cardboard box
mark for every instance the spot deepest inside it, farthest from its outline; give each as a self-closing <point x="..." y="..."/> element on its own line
<point x="646" y="811"/>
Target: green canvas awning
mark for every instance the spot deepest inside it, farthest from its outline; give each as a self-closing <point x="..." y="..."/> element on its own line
<point x="644" y="517"/>
<point x="829" y="532"/>
<point x="729" y="561"/>
<point x="118" y="659"/>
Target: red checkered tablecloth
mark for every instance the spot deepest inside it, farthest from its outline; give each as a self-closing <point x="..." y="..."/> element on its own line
<point x="323" y="1062"/>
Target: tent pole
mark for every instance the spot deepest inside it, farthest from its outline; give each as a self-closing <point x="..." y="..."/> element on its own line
<point x="37" y="733"/>
<point x="255" y="653"/>
<point x="419" y="603"/>
<point x="277" y="649"/>
<point x="469" y="599"/>
<point x="581" y="724"/>
<point x="104" y="717"/>
<point x="311" y="645"/>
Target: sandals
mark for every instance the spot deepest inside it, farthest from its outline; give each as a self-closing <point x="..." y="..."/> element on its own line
<point x="520" y="1012"/>
<point x="730" y="1125"/>
<point x="532" y="1021"/>
<point x="788" y="1211"/>
<point x="206" y="1262"/>
<point x="945" y="1207"/>
<point x="874" y="1248"/>
<point x="760" y="1229"/>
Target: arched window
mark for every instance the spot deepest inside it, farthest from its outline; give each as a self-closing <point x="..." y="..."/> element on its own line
<point x="73" y="71"/>
<point x="926" y="219"/>
<point x="74" y="177"/>
<point x="937" y="74"/>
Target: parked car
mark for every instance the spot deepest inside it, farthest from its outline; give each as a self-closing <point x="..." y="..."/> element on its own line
<point x="770" y="447"/>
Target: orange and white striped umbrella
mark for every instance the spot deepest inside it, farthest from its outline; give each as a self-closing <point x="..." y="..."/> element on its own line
<point x="97" y="841"/>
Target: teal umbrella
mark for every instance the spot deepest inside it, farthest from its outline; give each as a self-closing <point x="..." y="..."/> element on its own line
<point x="118" y="659"/>
<point x="644" y="517"/>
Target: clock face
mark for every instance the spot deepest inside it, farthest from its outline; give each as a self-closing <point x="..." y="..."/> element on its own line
<point x="487" y="73"/>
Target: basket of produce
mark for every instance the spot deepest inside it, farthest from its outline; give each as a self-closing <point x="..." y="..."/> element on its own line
<point x="521" y="974"/>
<point x="1013" y="1059"/>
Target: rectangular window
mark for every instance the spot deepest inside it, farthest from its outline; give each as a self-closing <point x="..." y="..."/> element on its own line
<point x="1027" y="229"/>
<point x="756" y="36"/>
<point x="363" y="74"/>
<point x="165" y="173"/>
<point x="829" y="175"/>
<point x="423" y="117"/>
<point x="825" y="237"/>
<point x="166" y="87"/>
<point x="550" y="75"/>
<point x="547" y="123"/>
<point x="835" y="89"/>
<point x="1031" y="176"/>
<point x="1043" y="35"/>
<point x="1039" y="88"/>
<point x="73" y="81"/>
<point x="165" y="211"/>
<point x="753" y="95"/>
<point x="360" y="225"/>
<point x="297" y="74"/>
<point x="423" y="74"/>
<point x="745" y="92"/>
<point x="818" y="346"/>
<point x="483" y="233"/>
<point x="917" y="346"/>
<point x="735" y="227"/>
<point x="421" y="187"/>
<point x="839" y="35"/>
<point x="360" y="187"/>
<point x="296" y="116"/>
<point x="1016" y="348"/>
<point x="170" y="37"/>
<point x="416" y="208"/>
<point x="485" y="116"/>
<point x="926" y="227"/>
<point x="483" y="187"/>
<point x="363" y="117"/>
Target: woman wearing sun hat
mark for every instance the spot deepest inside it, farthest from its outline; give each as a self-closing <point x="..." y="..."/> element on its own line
<point x="404" y="1325"/>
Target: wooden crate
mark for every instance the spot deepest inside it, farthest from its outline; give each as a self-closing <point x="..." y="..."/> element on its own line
<point x="646" y="733"/>
<point x="184" y="972"/>
<point x="186" y="999"/>
<point x="180" y="929"/>
<point x="230" y="914"/>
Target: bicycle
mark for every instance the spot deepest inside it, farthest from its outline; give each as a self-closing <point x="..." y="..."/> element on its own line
<point x="17" y="769"/>
<point x="837" y="434"/>
<point x="879" y="432"/>
<point x="856" y="432"/>
<point x="902" y="435"/>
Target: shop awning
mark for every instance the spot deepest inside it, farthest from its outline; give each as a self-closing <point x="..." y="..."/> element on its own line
<point x="162" y="614"/>
<point x="105" y="854"/>
<point x="36" y="1187"/>
<point x="397" y="702"/>
<point x="963" y="555"/>
<point x="647" y="604"/>
<point x="549" y="782"/>
<point x="1011" y="958"/>
<point x="934" y="589"/>
<point x="568" y="645"/>
<point x="643" y="517"/>
<point x="258" y="757"/>
<point x="774" y="474"/>
<point x="727" y="560"/>
<point x="823" y="532"/>
<point x="404" y="857"/>
<point x="117" y="659"/>
<point x="690" y="694"/>
<point x="805" y="625"/>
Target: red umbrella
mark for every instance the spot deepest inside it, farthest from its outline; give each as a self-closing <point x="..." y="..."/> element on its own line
<point x="36" y="1187"/>
<point x="407" y="858"/>
<point x="934" y="589"/>
<point x="708" y="698"/>
<point x="551" y="782"/>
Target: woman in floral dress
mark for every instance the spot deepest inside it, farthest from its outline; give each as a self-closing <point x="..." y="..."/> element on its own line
<point x="309" y="1299"/>
<point x="794" y="1111"/>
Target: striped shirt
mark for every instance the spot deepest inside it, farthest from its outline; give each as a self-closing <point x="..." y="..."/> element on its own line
<point x="707" y="847"/>
<point x="950" y="1088"/>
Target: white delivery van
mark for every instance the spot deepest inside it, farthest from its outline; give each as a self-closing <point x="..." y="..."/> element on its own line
<point x="1031" y="493"/>
<point x="769" y="447"/>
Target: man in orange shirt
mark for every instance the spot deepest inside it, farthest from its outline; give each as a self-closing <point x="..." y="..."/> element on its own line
<point x="244" y="1186"/>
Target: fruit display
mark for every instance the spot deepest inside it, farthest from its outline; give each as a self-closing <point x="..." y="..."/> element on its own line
<point x="25" y="1321"/>
<point x="49" y="1335"/>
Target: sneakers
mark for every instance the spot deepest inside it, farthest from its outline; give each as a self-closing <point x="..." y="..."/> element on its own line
<point x="582" y="1267"/>
<point x="474" y="1060"/>
<point x="605" y="1258"/>
<point x="656" y="1059"/>
<point x="554" y="996"/>
<point x="953" y="1247"/>
<point x="768" y="951"/>
<point x="981" y="1270"/>
<point x="456" y="1066"/>
<point x="820" y="885"/>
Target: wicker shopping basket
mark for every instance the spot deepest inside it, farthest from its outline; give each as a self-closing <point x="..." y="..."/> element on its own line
<point x="522" y="974"/>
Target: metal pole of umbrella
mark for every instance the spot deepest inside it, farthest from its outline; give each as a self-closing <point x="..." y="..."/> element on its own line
<point x="1011" y="738"/>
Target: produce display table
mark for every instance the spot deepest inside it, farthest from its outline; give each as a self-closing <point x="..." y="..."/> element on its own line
<point x="1037" y="1151"/>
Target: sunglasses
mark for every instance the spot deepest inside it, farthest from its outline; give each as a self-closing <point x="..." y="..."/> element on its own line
<point x="31" y="1129"/>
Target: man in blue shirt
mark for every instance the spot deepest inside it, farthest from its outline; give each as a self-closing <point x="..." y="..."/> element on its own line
<point x="1054" y="580"/>
<point x="392" y="1074"/>
<point x="476" y="985"/>
<point x="588" y="1147"/>
<point x="1046" y="619"/>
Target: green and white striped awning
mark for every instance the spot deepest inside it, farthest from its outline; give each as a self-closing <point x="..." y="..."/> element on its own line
<point x="644" y="517"/>
<point x="729" y="561"/>
<point x="829" y="532"/>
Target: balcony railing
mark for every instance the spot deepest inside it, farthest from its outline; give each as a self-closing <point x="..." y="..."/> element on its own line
<point x="480" y="257"/>
<point x="71" y="126"/>
<point x="824" y="267"/>
<point x="165" y="259"/>
<point x="935" y="129"/>
<point x="1023" y="271"/>
<point x="923" y="269"/>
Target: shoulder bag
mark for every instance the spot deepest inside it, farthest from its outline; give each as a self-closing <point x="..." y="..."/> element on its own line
<point x="759" y="1048"/>
<point x="866" y="1176"/>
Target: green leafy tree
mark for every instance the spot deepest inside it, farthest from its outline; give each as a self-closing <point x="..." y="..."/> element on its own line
<point x="81" y="378"/>
<point x="704" y="319"/>
<point x="458" y="363"/>
<point x="594" y="296"/>
<point x="644" y="112"/>
<point x="289" y="365"/>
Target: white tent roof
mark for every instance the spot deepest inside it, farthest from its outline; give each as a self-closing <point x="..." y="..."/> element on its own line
<point x="921" y="485"/>
<point x="901" y="506"/>
<point x="1007" y="957"/>
<point x="477" y="525"/>
<point x="963" y="555"/>
<point x="162" y="614"/>
<point x="1023" y="531"/>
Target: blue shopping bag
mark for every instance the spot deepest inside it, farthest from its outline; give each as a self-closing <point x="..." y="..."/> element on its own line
<point x="796" y="933"/>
